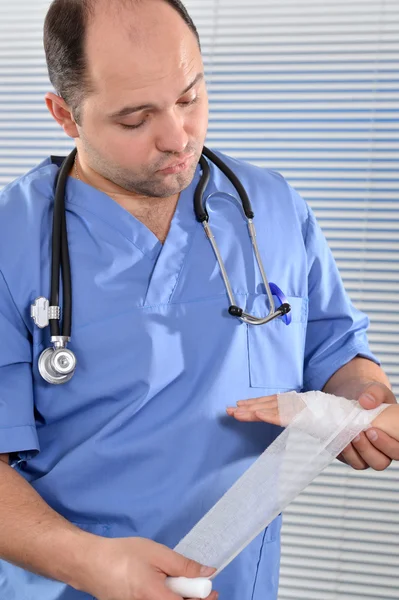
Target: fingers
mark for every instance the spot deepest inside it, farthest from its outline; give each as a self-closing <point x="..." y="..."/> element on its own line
<point x="350" y="457"/>
<point x="269" y="416"/>
<point x="375" y="394"/>
<point x="270" y="400"/>
<point x="256" y="410"/>
<point x="213" y="596"/>
<point x="384" y="443"/>
<point x="370" y="455"/>
<point x="243" y="415"/>
<point x="152" y="587"/>
<point x="362" y="454"/>
<point x="255" y="415"/>
<point x="176" y="565"/>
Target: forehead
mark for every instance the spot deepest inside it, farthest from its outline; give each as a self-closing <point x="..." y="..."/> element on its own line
<point x="139" y="49"/>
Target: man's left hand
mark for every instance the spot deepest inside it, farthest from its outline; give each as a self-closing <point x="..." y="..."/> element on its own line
<point x="372" y="448"/>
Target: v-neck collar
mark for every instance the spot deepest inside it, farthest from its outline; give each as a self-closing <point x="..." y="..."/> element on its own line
<point x="175" y="248"/>
<point x="169" y="257"/>
<point x="113" y="214"/>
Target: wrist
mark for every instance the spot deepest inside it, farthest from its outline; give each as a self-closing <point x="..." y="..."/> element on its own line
<point x="353" y="388"/>
<point x="76" y="559"/>
<point x="353" y="379"/>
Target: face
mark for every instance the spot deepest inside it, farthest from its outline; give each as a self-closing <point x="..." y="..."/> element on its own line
<point x="149" y="108"/>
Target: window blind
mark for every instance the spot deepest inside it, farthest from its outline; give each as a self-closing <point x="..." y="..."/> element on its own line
<point x="308" y="88"/>
<point x="28" y="134"/>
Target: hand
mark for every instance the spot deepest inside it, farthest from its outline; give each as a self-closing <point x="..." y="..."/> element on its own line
<point x="136" y="569"/>
<point x="263" y="409"/>
<point x="372" y="448"/>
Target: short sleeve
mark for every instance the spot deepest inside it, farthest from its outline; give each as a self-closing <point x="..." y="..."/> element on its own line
<point x="18" y="434"/>
<point x="336" y="330"/>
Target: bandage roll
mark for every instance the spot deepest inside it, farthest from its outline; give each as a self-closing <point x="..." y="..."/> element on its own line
<point x="189" y="588"/>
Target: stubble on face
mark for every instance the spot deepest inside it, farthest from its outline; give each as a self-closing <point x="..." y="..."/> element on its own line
<point x="148" y="182"/>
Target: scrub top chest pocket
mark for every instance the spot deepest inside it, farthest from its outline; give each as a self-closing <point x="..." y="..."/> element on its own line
<point x="276" y="350"/>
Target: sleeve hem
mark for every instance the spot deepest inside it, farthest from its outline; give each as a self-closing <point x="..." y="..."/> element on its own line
<point x="21" y="440"/>
<point x="319" y="380"/>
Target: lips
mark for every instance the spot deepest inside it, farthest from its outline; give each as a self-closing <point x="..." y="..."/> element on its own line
<point x="177" y="166"/>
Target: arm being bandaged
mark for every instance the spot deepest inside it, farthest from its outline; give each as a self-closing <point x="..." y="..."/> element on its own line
<point x="318" y="427"/>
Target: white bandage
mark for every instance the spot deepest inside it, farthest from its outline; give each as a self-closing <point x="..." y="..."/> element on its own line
<point x="319" y="427"/>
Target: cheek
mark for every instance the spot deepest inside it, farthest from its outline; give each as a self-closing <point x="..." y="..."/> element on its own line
<point x="123" y="147"/>
<point x="198" y="122"/>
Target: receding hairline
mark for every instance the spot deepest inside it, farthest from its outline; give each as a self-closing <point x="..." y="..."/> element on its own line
<point x="118" y="9"/>
<point x="65" y="40"/>
<point x="93" y="7"/>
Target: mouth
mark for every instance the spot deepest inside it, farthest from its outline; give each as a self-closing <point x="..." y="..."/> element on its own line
<point x="177" y="167"/>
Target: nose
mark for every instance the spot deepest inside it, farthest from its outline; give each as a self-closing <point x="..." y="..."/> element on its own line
<point x="171" y="135"/>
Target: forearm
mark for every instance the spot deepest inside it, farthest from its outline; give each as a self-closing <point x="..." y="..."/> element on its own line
<point x="349" y="381"/>
<point x="35" y="537"/>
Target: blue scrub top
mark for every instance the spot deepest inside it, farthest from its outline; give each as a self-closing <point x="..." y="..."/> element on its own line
<point x="138" y="442"/>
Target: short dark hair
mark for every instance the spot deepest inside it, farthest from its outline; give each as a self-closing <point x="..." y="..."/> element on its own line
<point x="64" y="45"/>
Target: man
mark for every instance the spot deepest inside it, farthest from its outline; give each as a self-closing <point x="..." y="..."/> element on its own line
<point x="113" y="468"/>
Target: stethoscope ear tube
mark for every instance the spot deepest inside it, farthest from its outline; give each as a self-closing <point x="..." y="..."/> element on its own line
<point x="199" y="208"/>
<point x="234" y="180"/>
<point x="60" y="253"/>
<point x="202" y="216"/>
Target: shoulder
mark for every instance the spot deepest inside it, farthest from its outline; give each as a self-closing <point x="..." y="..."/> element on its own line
<point x="23" y="204"/>
<point x="30" y="191"/>
<point x="26" y="207"/>
<point x="268" y="190"/>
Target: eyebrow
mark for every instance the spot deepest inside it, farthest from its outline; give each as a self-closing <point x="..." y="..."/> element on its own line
<point x="133" y="109"/>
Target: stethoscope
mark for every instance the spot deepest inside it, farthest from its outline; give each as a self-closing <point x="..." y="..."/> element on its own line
<point x="57" y="364"/>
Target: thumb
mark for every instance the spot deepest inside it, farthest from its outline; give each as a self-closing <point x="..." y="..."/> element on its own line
<point x="375" y="394"/>
<point x="177" y="565"/>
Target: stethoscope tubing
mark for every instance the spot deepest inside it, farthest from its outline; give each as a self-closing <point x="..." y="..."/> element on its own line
<point x="60" y="253"/>
<point x="57" y="365"/>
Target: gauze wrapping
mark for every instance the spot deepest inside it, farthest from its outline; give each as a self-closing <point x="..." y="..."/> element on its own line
<point x="318" y="427"/>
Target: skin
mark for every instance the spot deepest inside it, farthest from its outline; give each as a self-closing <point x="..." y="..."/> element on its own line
<point x="148" y="65"/>
<point x="360" y="380"/>
<point x="267" y="410"/>
<point x="155" y="64"/>
<point x="38" y="539"/>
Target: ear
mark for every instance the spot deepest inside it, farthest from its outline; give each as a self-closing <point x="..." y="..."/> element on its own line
<point x="62" y="114"/>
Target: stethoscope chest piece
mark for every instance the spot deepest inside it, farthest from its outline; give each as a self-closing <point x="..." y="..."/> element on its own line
<point x="57" y="365"/>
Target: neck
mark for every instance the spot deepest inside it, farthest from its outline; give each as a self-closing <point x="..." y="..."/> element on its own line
<point x="154" y="213"/>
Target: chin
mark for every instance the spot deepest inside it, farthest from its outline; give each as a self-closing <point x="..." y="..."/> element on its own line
<point x="179" y="183"/>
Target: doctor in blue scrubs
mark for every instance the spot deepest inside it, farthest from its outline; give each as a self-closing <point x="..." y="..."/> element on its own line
<point x="102" y="476"/>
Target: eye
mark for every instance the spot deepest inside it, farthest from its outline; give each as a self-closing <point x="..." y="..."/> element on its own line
<point x="190" y="102"/>
<point x="132" y="126"/>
